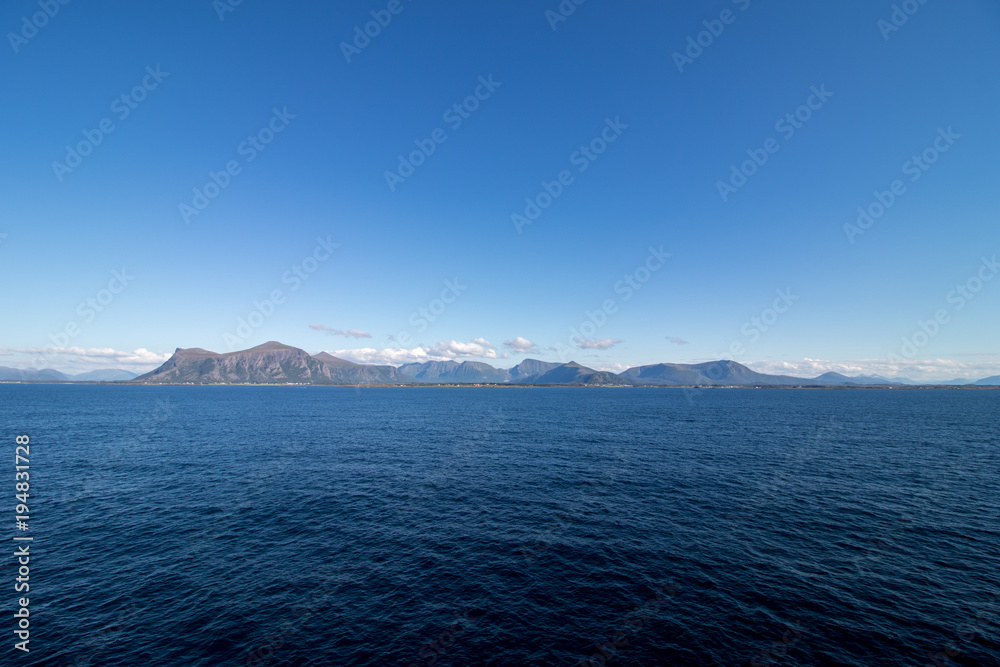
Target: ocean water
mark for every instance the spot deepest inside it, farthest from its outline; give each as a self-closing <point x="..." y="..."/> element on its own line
<point x="196" y="526"/>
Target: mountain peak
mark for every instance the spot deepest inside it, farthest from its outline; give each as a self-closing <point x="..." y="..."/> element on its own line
<point x="271" y="346"/>
<point x="331" y="360"/>
<point x="192" y="352"/>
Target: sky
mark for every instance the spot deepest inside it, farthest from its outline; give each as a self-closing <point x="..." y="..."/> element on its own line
<point x="800" y="187"/>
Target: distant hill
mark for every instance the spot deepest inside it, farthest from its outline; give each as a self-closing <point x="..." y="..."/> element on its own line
<point x="454" y="372"/>
<point x="49" y="375"/>
<point x="105" y="375"/>
<point x="574" y="373"/>
<point x="988" y="382"/>
<point x="725" y="373"/>
<point x="341" y="371"/>
<point x="19" y="375"/>
<point x="839" y="379"/>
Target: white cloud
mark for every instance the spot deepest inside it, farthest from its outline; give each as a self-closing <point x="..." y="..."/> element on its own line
<point x="444" y="350"/>
<point x="387" y="356"/>
<point x="610" y="368"/>
<point x="602" y="344"/>
<point x="676" y="341"/>
<point x="479" y="347"/>
<point x="521" y="345"/>
<point x="349" y="333"/>
<point x="79" y="359"/>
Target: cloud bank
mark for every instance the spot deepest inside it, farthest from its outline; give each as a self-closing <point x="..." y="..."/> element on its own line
<point x="349" y="333"/>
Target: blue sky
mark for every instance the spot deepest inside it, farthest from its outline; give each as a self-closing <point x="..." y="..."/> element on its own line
<point x="328" y="122"/>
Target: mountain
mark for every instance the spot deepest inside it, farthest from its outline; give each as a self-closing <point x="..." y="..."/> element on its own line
<point x="105" y="375"/>
<point x="529" y="371"/>
<point x="988" y="382"/>
<point x="341" y="371"/>
<point x="725" y="373"/>
<point x="530" y="368"/>
<point x="49" y="375"/>
<point x="270" y="363"/>
<point x="454" y="372"/>
<point x="30" y="375"/>
<point x="274" y="363"/>
<point x="834" y="379"/>
<point x="839" y="379"/>
<point x="574" y="373"/>
<point x="879" y="379"/>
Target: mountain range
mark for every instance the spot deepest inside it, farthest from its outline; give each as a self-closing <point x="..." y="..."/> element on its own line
<point x="275" y="363"/>
<point x="49" y="375"/>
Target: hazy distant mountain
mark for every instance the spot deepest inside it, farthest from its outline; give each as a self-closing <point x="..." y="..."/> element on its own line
<point x="19" y="375"/>
<point x="574" y="373"/>
<point x="987" y="382"/>
<point x="880" y="379"/>
<point x="725" y="373"/>
<point x="454" y="372"/>
<point x="341" y="371"/>
<point x="835" y="379"/>
<point x="529" y="371"/>
<point x="839" y="379"/>
<point x="49" y="375"/>
<point x="105" y="375"/>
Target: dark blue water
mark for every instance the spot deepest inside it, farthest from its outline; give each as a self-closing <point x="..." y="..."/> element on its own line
<point x="326" y="526"/>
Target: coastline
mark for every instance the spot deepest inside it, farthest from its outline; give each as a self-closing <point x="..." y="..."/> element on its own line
<point x="511" y="385"/>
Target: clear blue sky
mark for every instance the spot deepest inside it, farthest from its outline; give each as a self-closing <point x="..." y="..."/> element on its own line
<point x="656" y="184"/>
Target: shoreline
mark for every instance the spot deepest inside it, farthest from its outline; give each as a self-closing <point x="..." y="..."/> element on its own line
<point x="471" y="385"/>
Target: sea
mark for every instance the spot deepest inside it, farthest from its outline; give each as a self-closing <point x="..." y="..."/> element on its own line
<point x="275" y="526"/>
